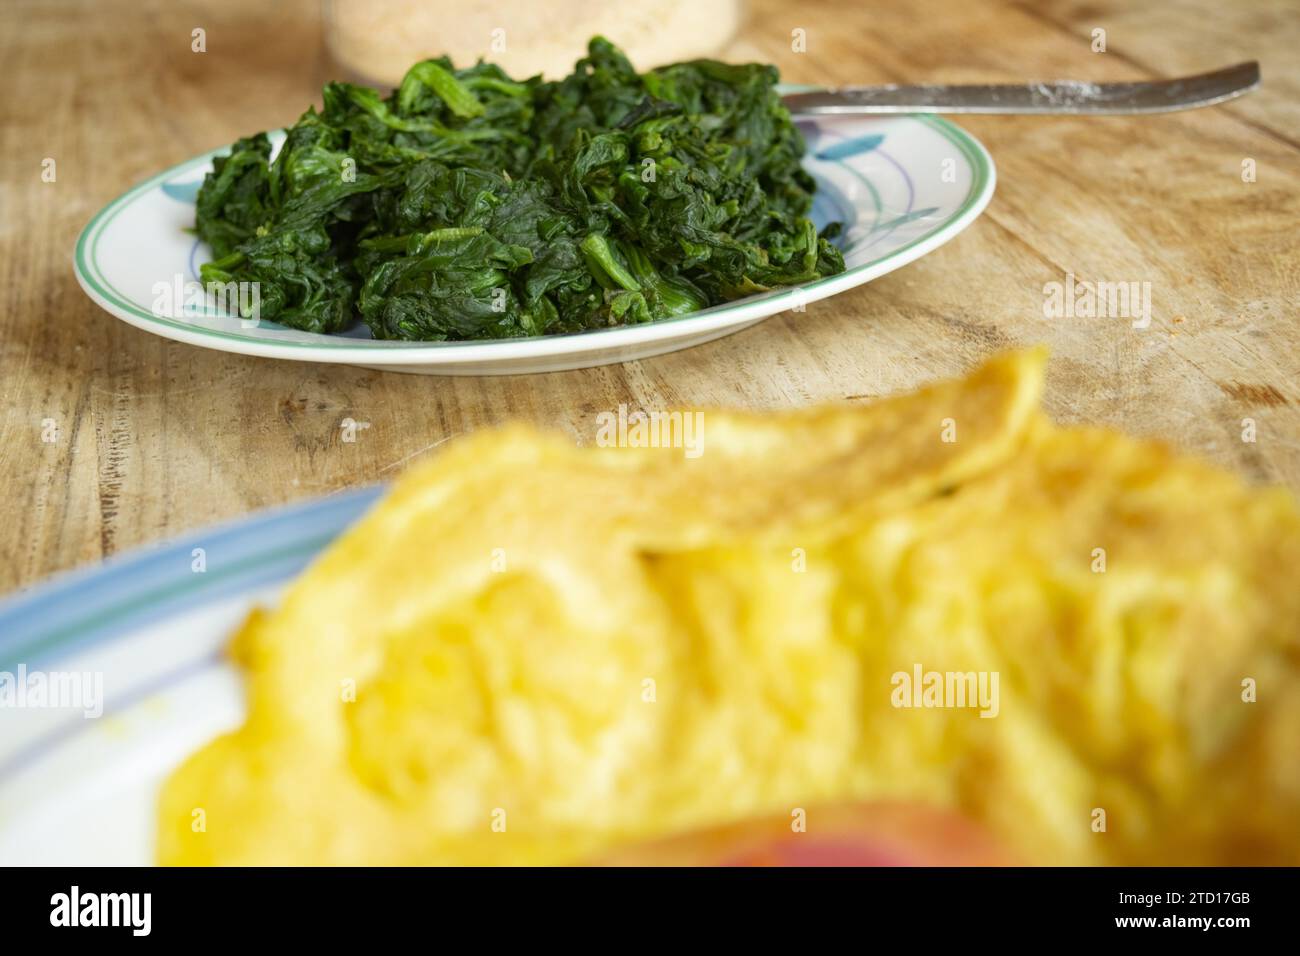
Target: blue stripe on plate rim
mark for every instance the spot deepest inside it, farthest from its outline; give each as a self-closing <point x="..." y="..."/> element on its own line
<point x="125" y="593"/>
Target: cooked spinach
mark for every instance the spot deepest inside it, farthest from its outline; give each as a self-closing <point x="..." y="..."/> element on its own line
<point x="468" y="205"/>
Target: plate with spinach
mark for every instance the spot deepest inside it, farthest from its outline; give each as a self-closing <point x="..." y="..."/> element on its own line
<point x="471" y="223"/>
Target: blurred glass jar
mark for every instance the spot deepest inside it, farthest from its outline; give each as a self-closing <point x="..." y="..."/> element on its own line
<point x="377" y="40"/>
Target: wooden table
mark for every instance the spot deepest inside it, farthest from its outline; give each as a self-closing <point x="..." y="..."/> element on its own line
<point x="154" y="437"/>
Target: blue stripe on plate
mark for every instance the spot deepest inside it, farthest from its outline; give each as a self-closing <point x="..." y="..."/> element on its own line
<point x="851" y="147"/>
<point x="126" y="593"/>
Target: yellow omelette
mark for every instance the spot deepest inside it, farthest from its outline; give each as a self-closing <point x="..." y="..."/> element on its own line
<point x="531" y="652"/>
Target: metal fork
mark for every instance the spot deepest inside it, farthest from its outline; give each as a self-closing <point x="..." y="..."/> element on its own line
<point x="1059" y="97"/>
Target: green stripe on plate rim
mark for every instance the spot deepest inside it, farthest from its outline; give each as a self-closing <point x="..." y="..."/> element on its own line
<point x="89" y="239"/>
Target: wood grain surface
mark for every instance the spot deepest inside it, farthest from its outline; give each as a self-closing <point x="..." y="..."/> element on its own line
<point x="153" y="438"/>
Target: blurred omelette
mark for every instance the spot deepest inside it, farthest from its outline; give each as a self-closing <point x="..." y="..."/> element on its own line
<point x="535" y="653"/>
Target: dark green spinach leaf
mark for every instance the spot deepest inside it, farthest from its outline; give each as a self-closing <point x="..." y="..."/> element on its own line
<point x="468" y="205"/>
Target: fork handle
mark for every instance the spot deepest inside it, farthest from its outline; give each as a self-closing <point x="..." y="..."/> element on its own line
<point x="1060" y="97"/>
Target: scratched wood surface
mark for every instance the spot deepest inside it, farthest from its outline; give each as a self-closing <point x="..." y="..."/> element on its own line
<point x="153" y="438"/>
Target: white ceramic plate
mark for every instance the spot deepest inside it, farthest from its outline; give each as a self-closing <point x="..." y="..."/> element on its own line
<point x="78" y="791"/>
<point x="902" y="186"/>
